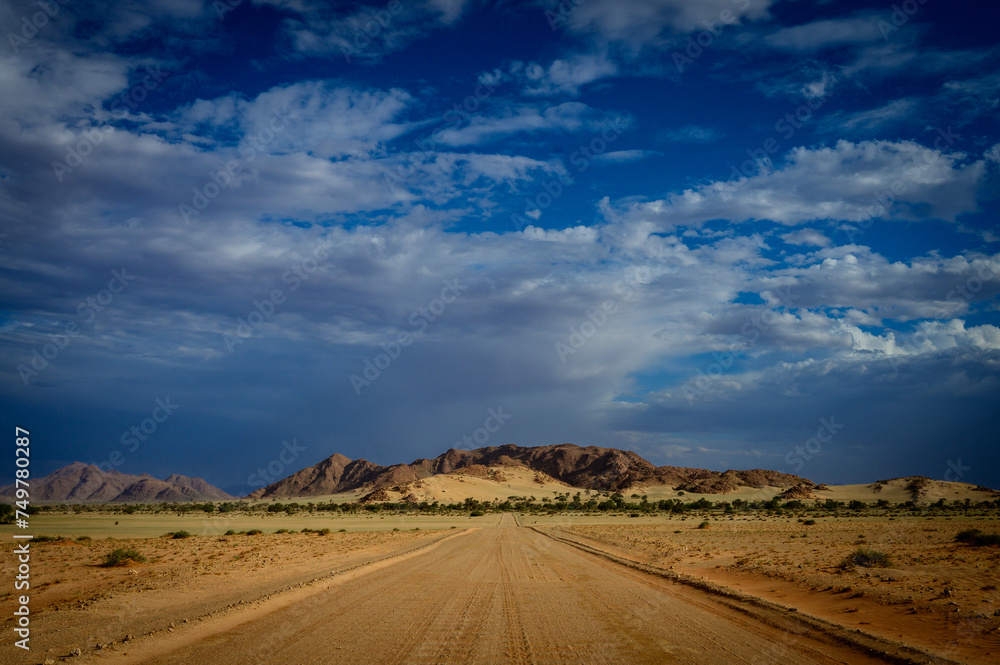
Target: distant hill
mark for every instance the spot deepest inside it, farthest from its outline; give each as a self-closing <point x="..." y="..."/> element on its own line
<point x="79" y="482"/>
<point x="590" y="467"/>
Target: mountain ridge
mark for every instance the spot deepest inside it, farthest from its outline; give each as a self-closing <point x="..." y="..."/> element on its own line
<point x="584" y="467"/>
<point x="78" y="482"/>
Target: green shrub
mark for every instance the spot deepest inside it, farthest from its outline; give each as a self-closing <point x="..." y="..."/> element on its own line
<point x="82" y="539"/>
<point x="866" y="558"/>
<point x="47" y="539"/>
<point x="977" y="538"/>
<point x="966" y="536"/>
<point x="122" y="557"/>
<point x="476" y="513"/>
<point x="703" y="525"/>
<point x="809" y="522"/>
<point x="179" y="534"/>
<point x="321" y="532"/>
<point x="229" y="533"/>
<point x="254" y="532"/>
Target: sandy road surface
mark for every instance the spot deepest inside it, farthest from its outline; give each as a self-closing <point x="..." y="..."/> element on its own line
<point x="500" y="595"/>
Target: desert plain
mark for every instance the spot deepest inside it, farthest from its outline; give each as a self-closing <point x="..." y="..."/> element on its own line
<point x="510" y="587"/>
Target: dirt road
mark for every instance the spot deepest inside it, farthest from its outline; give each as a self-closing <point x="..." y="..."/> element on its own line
<point x="499" y="595"/>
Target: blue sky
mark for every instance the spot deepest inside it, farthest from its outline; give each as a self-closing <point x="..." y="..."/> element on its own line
<point x="729" y="234"/>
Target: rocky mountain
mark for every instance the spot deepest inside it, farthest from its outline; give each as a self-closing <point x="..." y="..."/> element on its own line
<point x="590" y="467"/>
<point x="79" y="482"/>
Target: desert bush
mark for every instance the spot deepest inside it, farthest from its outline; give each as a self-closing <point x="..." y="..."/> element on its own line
<point x="866" y="558"/>
<point x="254" y="532"/>
<point x="82" y="539"/>
<point x="178" y="534"/>
<point x="321" y="532"/>
<point x="122" y="557"/>
<point x="809" y="522"/>
<point x="703" y="525"/>
<point x="229" y="533"/>
<point x="476" y="513"/>
<point x="47" y="539"/>
<point x="977" y="538"/>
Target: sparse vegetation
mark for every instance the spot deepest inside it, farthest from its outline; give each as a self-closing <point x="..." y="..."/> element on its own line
<point x="866" y="558"/>
<point x="178" y="534"/>
<point x="606" y="502"/>
<point x="977" y="538"/>
<point x="703" y="525"/>
<point x="122" y="557"/>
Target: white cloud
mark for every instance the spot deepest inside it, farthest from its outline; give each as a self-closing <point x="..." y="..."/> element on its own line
<point x="806" y="237"/>
<point x="524" y="119"/>
<point x="826" y="33"/>
<point x="872" y="120"/>
<point x="625" y="156"/>
<point x="850" y="181"/>
<point x="649" y="22"/>
<point x="322" y="120"/>
<point x="364" y="34"/>
<point x="566" y="76"/>
<point x="51" y="85"/>
<point x="953" y="333"/>
<point x="854" y="277"/>
<point x="689" y="134"/>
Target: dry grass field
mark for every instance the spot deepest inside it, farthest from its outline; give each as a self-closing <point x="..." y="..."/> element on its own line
<point x="78" y="604"/>
<point x="933" y="592"/>
<point x="496" y="589"/>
